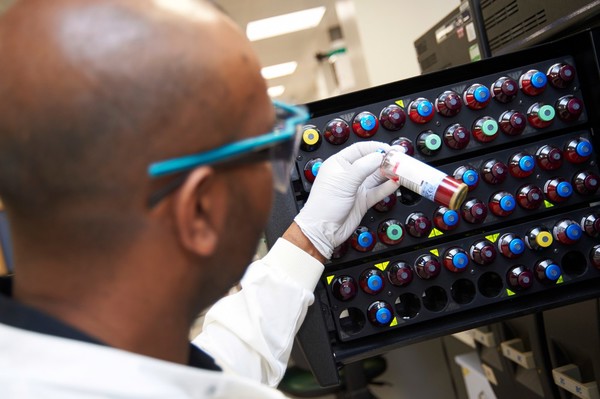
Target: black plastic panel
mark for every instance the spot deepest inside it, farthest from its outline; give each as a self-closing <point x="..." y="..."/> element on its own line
<point x="480" y="294"/>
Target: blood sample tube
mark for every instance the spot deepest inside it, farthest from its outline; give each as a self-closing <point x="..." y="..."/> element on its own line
<point x="502" y="203"/>
<point x="392" y="117"/>
<point x="530" y="197"/>
<point x="386" y="204"/>
<point x="400" y="274"/>
<point x="429" y="143"/>
<point x="311" y="138"/>
<point x="448" y="103"/>
<point x="533" y="82"/>
<point x="418" y="225"/>
<point x="477" y="96"/>
<point x="407" y="144"/>
<point x="468" y="175"/>
<point x="420" y="110"/>
<point x="586" y="182"/>
<point x="519" y="278"/>
<point x="337" y="131"/>
<point x="512" y="123"/>
<point x="423" y="179"/>
<point x="456" y="136"/>
<point x="482" y="252"/>
<point x="578" y="150"/>
<point x="456" y="259"/>
<point x="380" y="313"/>
<point x="504" y="89"/>
<point x="365" y="124"/>
<point x="485" y="129"/>
<point x="558" y="190"/>
<point x="511" y="245"/>
<point x="427" y="266"/>
<point x="540" y="115"/>
<point x="371" y="281"/>
<point x="445" y="219"/>
<point x="362" y="239"/>
<point x="546" y="271"/>
<point x="344" y="288"/>
<point x="311" y="169"/>
<point x="560" y="75"/>
<point x="591" y="224"/>
<point x="474" y="211"/>
<point x="595" y="256"/>
<point x="538" y="238"/>
<point x="494" y="171"/>
<point x="549" y="157"/>
<point x="390" y="232"/>
<point x="567" y="231"/>
<point x="521" y="164"/>
<point x="569" y="108"/>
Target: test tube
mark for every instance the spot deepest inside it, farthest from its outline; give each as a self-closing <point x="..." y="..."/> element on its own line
<point x="423" y="179"/>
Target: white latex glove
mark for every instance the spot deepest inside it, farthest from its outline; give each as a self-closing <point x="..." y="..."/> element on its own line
<point x="347" y="185"/>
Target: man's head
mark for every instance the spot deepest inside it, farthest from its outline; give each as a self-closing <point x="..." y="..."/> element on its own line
<point x="91" y="93"/>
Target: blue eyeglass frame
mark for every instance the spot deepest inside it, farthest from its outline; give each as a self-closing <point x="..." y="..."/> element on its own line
<point x="236" y="149"/>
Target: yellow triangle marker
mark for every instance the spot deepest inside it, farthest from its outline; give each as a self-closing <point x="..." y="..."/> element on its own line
<point x="382" y="266"/>
<point x="330" y="279"/>
<point x="400" y="103"/>
<point x="493" y="237"/>
<point x="435" y="252"/>
<point x="435" y="233"/>
<point x="560" y="280"/>
<point x="548" y="204"/>
<point x="509" y="292"/>
<point x="394" y="322"/>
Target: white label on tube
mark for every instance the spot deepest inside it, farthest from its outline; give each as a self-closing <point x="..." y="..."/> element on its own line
<point x="412" y="173"/>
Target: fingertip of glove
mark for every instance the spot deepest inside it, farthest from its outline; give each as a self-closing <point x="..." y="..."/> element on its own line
<point x="371" y="161"/>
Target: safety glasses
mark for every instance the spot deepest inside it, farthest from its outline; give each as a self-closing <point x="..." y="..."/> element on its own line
<point x="280" y="146"/>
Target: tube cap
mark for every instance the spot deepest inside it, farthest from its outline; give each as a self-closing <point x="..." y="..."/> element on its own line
<point x="310" y="137"/>
<point x="481" y="94"/>
<point x="383" y="315"/>
<point x="365" y="239"/>
<point x="507" y="203"/>
<point x="546" y="113"/>
<point x="374" y="283"/>
<point x="450" y="217"/>
<point x="544" y="239"/>
<point x="460" y="260"/>
<point x="564" y="189"/>
<point x="584" y="148"/>
<point x="573" y="231"/>
<point x="489" y="127"/>
<point x="394" y="232"/>
<point x="470" y="177"/>
<point x="539" y="80"/>
<point x="367" y="122"/>
<point x="425" y="108"/>
<point x="552" y="272"/>
<point x="516" y="246"/>
<point x="527" y="163"/>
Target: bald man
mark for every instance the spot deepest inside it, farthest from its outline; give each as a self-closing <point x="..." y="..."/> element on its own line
<point x="137" y="161"/>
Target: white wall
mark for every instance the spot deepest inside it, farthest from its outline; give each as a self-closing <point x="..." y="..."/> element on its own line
<point x="387" y="30"/>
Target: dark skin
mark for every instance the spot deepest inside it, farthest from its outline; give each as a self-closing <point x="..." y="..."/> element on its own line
<point x="94" y="92"/>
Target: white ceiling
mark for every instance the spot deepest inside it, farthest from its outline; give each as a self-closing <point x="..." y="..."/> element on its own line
<point x="301" y="47"/>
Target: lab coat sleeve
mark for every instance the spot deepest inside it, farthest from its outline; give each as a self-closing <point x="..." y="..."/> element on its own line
<point x="251" y="332"/>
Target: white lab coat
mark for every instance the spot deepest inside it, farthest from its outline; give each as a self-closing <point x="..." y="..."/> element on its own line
<point x="249" y="334"/>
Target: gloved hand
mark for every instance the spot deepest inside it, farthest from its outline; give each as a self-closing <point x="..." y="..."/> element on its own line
<point x="347" y="185"/>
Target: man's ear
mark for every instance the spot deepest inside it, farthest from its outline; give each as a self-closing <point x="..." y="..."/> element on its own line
<point x="200" y="209"/>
